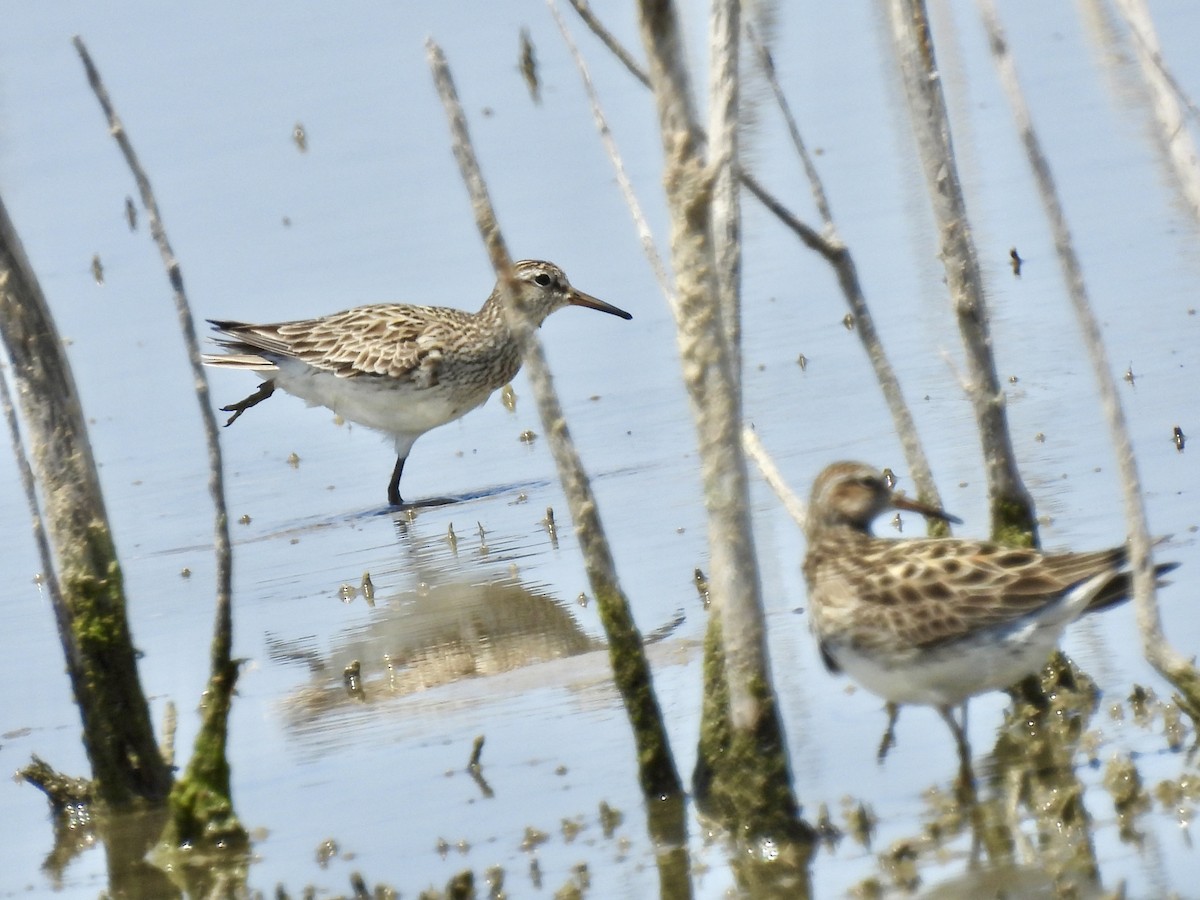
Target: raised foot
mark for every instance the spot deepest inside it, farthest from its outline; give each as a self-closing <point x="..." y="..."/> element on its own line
<point x="265" y="390"/>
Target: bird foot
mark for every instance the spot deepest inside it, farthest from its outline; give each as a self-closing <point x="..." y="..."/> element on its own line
<point x="265" y="390"/>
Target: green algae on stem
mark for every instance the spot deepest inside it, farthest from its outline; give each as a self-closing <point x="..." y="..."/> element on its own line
<point x="631" y="670"/>
<point x="89" y="605"/>
<point x="202" y="813"/>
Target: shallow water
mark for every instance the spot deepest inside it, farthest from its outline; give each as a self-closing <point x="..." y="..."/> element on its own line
<point x="487" y="635"/>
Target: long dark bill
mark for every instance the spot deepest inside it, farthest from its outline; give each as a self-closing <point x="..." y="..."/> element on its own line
<point x="579" y="298"/>
<point x="930" y="512"/>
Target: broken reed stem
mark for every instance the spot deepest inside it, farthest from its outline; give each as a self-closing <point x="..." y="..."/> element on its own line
<point x="223" y="637"/>
<point x="767" y="65"/>
<point x="1166" y="94"/>
<point x="49" y="578"/>
<point x="585" y="13"/>
<point x="741" y="773"/>
<point x="707" y="363"/>
<point x="631" y="669"/>
<point x="1169" y="662"/>
<point x="831" y="246"/>
<point x="772" y="476"/>
<point x="725" y="225"/>
<point x="1011" y="507"/>
<point x="828" y="244"/>
<point x="200" y="802"/>
<point x="90" y="607"/>
<point x="649" y="248"/>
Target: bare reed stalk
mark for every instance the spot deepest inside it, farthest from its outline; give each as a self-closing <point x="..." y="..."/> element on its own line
<point x="827" y="243"/>
<point x="1166" y="93"/>
<point x="741" y="776"/>
<point x="1011" y="507"/>
<point x="707" y="363"/>
<point x="724" y="35"/>
<point x="831" y="246"/>
<point x="752" y="446"/>
<point x="1166" y="660"/>
<point x="630" y="667"/>
<point x="49" y="579"/>
<point x="772" y="476"/>
<point x="87" y="587"/>
<point x="649" y="248"/>
<point x="201" y="805"/>
<point x="216" y="486"/>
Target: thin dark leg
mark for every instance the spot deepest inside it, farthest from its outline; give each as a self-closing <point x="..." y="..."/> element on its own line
<point x="394" y="484"/>
<point x="966" y="775"/>
<point x="265" y="390"/>
<point x="888" y="741"/>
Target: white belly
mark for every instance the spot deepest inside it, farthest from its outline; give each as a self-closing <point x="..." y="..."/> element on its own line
<point x="949" y="675"/>
<point x="398" y="408"/>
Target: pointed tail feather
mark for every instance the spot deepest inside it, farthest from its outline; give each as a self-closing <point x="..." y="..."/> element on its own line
<point x="1118" y="589"/>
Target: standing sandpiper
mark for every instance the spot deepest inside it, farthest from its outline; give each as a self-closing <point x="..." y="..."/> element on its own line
<point x="401" y="369"/>
<point x="937" y="620"/>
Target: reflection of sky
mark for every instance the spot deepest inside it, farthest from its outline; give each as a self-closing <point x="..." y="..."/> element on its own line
<point x="210" y="96"/>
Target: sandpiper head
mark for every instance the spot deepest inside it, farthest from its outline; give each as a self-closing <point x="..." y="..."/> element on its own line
<point x="542" y="287"/>
<point x="852" y="494"/>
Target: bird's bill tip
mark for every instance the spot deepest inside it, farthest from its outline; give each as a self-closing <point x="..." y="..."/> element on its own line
<point x="579" y="298"/>
<point x="925" y="509"/>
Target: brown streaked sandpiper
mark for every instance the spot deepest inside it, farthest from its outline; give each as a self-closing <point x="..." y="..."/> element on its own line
<point x="936" y="621"/>
<point x="400" y="369"/>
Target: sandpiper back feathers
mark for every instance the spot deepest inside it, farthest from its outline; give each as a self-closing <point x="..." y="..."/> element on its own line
<point x="400" y="369"/>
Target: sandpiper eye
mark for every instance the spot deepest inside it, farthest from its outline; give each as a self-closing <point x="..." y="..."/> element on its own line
<point x="542" y="278"/>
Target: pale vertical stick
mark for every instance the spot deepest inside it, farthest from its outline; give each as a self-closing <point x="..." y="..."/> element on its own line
<point x="707" y="367"/>
<point x="1011" y="506"/>
<point x="649" y="248"/>
<point x="216" y="478"/>
<point x="724" y="33"/>
<point x="827" y="243"/>
<point x="49" y="578"/>
<point x="1169" y="662"/>
<point x="830" y="245"/>
<point x="1181" y="147"/>
<point x="631" y="670"/>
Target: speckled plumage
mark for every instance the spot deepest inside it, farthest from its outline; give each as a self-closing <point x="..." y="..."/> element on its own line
<point x="401" y="369"/>
<point x="935" y="621"/>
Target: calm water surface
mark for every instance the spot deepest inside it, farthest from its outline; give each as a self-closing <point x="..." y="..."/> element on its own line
<point x="488" y="634"/>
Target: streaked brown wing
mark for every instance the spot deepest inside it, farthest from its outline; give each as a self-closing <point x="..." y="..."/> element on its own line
<point x="931" y="592"/>
<point x="386" y="339"/>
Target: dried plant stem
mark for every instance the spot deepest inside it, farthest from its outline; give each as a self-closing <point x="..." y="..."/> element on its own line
<point x="704" y="348"/>
<point x="631" y="669"/>
<point x="1167" y="94"/>
<point x="774" y="479"/>
<point x="741" y="769"/>
<point x="1170" y="663"/>
<point x="618" y="49"/>
<point x="49" y="578"/>
<point x="201" y="804"/>
<point x="649" y="248"/>
<point x="87" y="587"/>
<point x="831" y="246"/>
<point x="827" y="243"/>
<point x="725" y="225"/>
<point x="1012" y="512"/>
